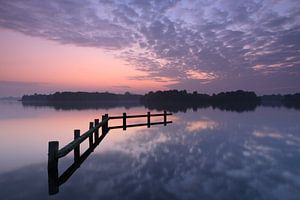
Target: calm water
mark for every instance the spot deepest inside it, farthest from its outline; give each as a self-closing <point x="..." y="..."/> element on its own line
<point x="208" y="154"/>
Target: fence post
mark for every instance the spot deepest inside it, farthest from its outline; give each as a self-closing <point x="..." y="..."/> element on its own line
<point x="77" y="148"/>
<point x="148" y="119"/>
<point x="53" y="167"/>
<point x="105" y="126"/>
<point x="91" y="136"/>
<point x="124" y="121"/>
<point x="165" y="118"/>
<point x="97" y="130"/>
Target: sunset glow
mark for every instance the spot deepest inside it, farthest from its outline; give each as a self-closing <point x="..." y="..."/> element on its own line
<point x="149" y="99"/>
<point x="41" y="64"/>
<point x="139" y="46"/>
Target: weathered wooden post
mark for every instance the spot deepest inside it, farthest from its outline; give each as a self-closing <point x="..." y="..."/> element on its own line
<point x="97" y="130"/>
<point x="124" y="121"/>
<point x="77" y="148"/>
<point x="165" y="118"/>
<point x="105" y="126"/>
<point x="53" y="167"/>
<point x="148" y="119"/>
<point x="91" y="136"/>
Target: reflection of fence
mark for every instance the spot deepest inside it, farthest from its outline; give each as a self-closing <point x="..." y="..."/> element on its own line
<point x="54" y="153"/>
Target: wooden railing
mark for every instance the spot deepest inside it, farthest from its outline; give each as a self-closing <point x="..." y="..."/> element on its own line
<point x="54" y="153"/>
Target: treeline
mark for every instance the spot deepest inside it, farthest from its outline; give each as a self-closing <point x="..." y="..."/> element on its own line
<point x="175" y="100"/>
<point x="172" y="96"/>
<point x="289" y="100"/>
<point x="232" y="101"/>
<point x="172" y="100"/>
<point x="81" y="97"/>
<point x="82" y="100"/>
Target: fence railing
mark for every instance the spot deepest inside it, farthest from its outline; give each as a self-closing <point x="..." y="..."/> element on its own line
<point x="54" y="153"/>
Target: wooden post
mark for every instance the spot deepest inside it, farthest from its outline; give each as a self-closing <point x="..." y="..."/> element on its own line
<point x="91" y="136"/>
<point x="165" y="118"/>
<point x="53" y="185"/>
<point x="148" y="119"/>
<point x="96" y="131"/>
<point x="77" y="148"/>
<point x="105" y="126"/>
<point x="124" y="121"/>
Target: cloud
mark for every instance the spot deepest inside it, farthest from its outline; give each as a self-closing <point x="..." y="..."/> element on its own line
<point x="68" y="22"/>
<point x="169" y="39"/>
<point x="200" y="75"/>
<point x="122" y="86"/>
<point x="19" y="88"/>
<point x="19" y="84"/>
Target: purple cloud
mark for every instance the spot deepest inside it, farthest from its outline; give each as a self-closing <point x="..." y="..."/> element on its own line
<point x="220" y="41"/>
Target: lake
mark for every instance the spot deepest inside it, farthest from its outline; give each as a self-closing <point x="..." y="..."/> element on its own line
<point x="203" y="154"/>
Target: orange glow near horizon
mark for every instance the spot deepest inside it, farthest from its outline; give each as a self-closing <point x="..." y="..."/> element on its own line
<point x="66" y="67"/>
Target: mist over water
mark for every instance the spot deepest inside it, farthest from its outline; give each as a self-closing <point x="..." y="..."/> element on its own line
<point x="203" y="154"/>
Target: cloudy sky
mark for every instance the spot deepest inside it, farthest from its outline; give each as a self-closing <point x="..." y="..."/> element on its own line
<point x="138" y="45"/>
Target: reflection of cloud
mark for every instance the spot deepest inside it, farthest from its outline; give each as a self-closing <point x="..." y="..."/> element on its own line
<point x="172" y="165"/>
<point x="289" y="139"/>
<point x="138" y="145"/>
<point x="267" y="134"/>
<point x="201" y="125"/>
<point x="258" y="150"/>
<point x="232" y="163"/>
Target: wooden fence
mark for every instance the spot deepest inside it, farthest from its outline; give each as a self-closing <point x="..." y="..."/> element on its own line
<point x="54" y="153"/>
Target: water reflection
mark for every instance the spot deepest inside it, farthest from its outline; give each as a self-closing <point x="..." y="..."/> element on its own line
<point x="200" y="125"/>
<point x="254" y="155"/>
<point x="266" y="133"/>
<point x="173" y="107"/>
<point x="81" y="105"/>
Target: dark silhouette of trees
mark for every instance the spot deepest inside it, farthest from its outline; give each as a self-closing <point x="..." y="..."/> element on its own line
<point x="289" y="100"/>
<point x="274" y="100"/>
<point x="292" y="100"/>
<point x="82" y="100"/>
<point x="171" y="100"/>
<point x="81" y="97"/>
<point x="175" y="100"/>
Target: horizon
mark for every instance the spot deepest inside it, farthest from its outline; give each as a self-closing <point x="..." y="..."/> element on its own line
<point x="141" y="46"/>
<point x="120" y="93"/>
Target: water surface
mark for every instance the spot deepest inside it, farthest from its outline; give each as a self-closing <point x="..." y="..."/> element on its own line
<point x="204" y="154"/>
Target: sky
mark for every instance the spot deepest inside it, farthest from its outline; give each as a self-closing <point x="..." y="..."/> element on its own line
<point x="142" y="45"/>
